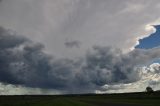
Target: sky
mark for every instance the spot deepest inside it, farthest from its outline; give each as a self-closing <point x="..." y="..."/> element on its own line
<point x="79" y="46"/>
<point x="151" y="41"/>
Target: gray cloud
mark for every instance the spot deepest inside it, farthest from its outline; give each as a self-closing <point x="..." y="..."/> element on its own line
<point x="72" y="44"/>
<point x="23" y="62"/>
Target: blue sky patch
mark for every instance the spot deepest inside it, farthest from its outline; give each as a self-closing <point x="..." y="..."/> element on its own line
<point x="152" y="41"/>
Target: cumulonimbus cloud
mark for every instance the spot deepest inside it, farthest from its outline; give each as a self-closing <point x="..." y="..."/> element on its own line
<point x="23" y="62"/>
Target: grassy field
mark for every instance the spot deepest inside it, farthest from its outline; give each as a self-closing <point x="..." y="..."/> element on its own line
<point x="128" y="99"/>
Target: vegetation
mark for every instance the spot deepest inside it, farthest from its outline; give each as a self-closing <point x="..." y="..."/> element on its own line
<point x="149" y="90"/>
<point x="126" y="99"/>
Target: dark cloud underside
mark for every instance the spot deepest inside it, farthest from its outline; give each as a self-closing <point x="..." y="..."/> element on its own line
<point x="24" y="62"/>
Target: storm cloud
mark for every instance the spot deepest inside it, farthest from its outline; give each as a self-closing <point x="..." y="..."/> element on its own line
<point x="23" y="62"/>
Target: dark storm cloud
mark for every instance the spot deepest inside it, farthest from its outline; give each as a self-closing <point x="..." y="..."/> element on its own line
<point x="7" y="44"/>
<point x="72" y="44"/>
<point x="24" y="62"/>
<point x="109" y="66"/>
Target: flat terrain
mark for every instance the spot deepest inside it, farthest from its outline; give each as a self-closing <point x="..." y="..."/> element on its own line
<point x="127" y="99"/>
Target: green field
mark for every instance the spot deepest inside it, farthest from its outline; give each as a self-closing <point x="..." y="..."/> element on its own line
<point x="128" y="99"/>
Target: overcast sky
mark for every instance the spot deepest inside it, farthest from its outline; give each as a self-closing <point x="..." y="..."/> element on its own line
<point x="63" y="45"/>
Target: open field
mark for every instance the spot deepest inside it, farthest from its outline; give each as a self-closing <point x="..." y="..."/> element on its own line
<point x="128" y="99"/>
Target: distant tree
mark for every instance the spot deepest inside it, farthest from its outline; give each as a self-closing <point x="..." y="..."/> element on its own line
<point x="149" y="90"/>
